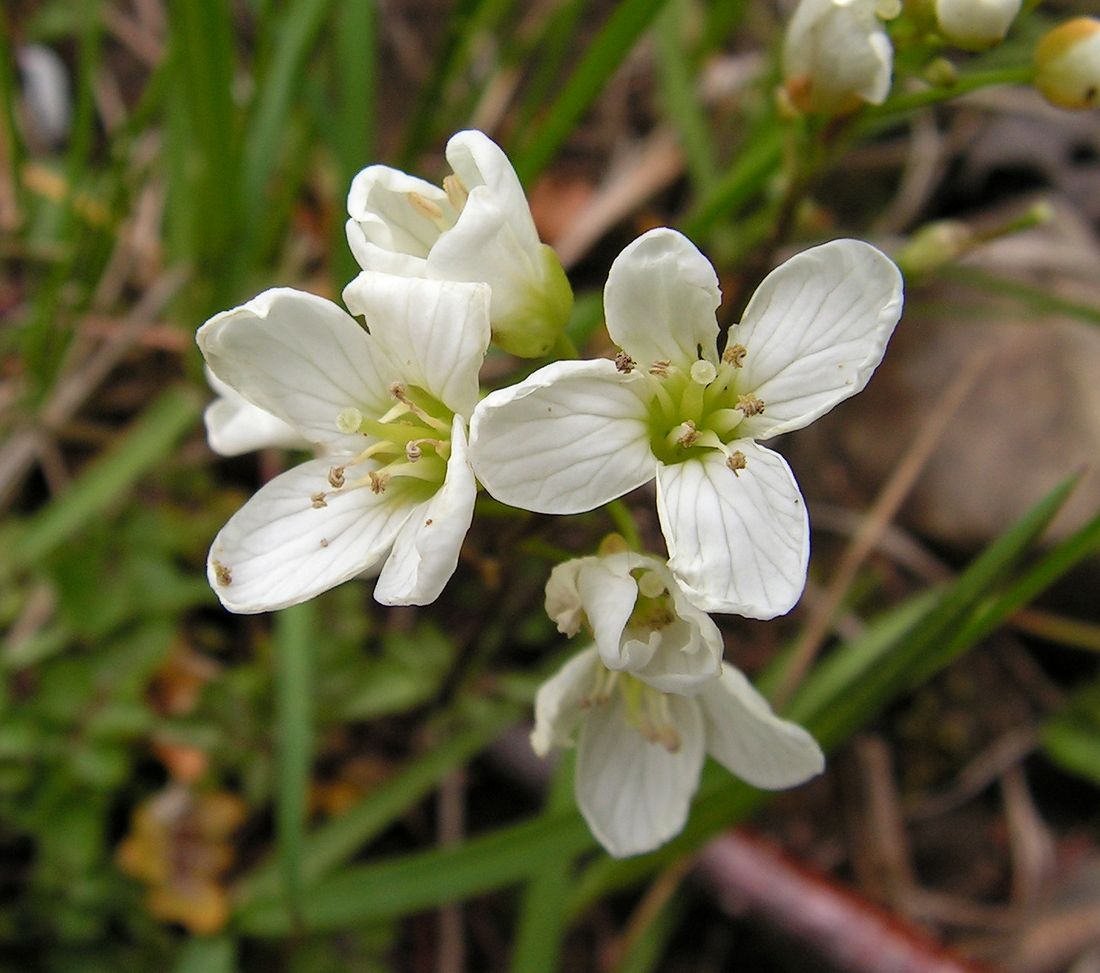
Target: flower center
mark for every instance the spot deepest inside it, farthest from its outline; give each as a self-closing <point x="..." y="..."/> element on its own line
<point x="410" y="442"/>
<point x="653" y="608"/>
<point x="699" y="408"/>
<point x="644" y="708"/>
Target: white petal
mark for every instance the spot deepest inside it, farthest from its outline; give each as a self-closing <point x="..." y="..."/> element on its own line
<point x="235" y="426"/>
<point x="478" y="161"/>
<point x="280" y="550"/>
<point x="558" y="702"/>
<point x="976" y="24"/>
<point x="568" y="438"/>
<point x="737" y="543"/>
<point x="815" y="330"/>
<point x="299" y="357"/>
<point x="746" y="737"/>
<point x="634" y="794"/>
<point x="563" y="600"/>
<point x="660" y="300"/>
<point x="386" y="219"/>
<point x="425" y="552"/>
<point x="435" y="332"/>
<point x="609" y="594"/>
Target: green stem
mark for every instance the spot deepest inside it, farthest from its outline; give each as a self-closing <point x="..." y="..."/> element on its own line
<point x="624" y="520"/>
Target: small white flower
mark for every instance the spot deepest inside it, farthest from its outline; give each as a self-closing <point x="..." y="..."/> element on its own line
<point x="640" y="619"/>
<point x="976" y="24"/>
<point x="235" y="426"/>
<point x="478" y="227"/>
<point x="575" y="435"/>
<point x="1067" y="64"/>
<point x="836" y="54"/>
<point x="640" y="751"/>
<point x="388" y="410"/>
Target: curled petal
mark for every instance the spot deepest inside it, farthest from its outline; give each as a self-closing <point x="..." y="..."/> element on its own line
<point x="388" y="230"/>
<point x="568" y="438"/>
<point x="634" y="793"/>
<point x="425" y="551"/>
<point x="737" y="542"/>
<point x="660" y="300"/>
<point x="749" y="740"/>
<point x="814" y="331"/>
<point x="296" y="538"/>
<point x="559" y="702"/>
<point x="235" y="426"/>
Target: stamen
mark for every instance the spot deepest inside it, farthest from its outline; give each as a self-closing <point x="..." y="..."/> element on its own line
<point x="735" y="355"/>
<point x="724" y="421"/>
<point x="749" y="404"/>
<point x="456" y="191"/>
<point x="425" y="207"/>
<point x="378" y="482"/>
<point x="336" y="477"/>
<point x="318" y="500"/>
<point x="624" y="363"/>
<point x="413" y="451"/>
<point x="348" y="420"/>
<point x="685" y="435"/>
<point x="736" y="462"/>
<point x="659" y="368"/>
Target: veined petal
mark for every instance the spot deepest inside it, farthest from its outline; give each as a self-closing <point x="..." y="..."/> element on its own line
<point x="749" y="740"/>
<point x="568" y="438"/>
<point x="660" y="300"/>
<point x="478" y="161"/>
<point x="394" y="211"/>
<point x="558" y="703"/>
<point x="300" y="358"/>
<point x="739" y="542"/>
<point x="425" y="551"/>
<point x="635" y="794"/>
<point x="435" y="331"/>
<point x="814" y="331"/>
<point x="689" y="654"/>
<point x="281" y="548"/>
<point x="235" y="426"/>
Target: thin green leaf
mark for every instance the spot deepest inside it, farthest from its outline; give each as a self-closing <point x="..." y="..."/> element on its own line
<point x="614" y="42"/>
<point x="338" y="840"/>
<point x="294" y="638"/>
<point x="145" y="444"/>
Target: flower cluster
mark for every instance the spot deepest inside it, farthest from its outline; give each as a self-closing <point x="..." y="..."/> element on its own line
<point x="401" y="439"/>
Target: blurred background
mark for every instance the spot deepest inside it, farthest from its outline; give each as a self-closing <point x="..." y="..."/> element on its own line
<point x="348" y="787"/>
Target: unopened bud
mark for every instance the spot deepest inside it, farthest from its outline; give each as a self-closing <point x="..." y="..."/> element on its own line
<point x="975" y="25"/>
<point x="934" y="246"/>
<point x="1067" y="64"/>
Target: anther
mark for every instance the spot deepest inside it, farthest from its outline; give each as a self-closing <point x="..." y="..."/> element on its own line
<point x="659" y="368"/>
<point x="318" y="500"/>
<point x="703" y="372"/>
<point x="348" y="420"/>
<point x="688" y="434"/>
<point x="425" y="207"/>
<point x="749" y="404"/>
<point x="736" y="462"/>
<point x="735" y="355"/>
<point x="336" y="477"/>
<point x="455" y="190"/>
<point x="413" y="451"/>
<point x="669" y="738"/>
<point x="378" y="482"/>
<point x="624" y="363"/>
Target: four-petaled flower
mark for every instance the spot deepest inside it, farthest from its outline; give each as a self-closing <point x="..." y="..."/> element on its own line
<point x="387" y="406"/>
<point x="575" y="435"/>
<point x="639" y="618"/>
<point x="478" y="227"/>
<point x="640" y="751"/>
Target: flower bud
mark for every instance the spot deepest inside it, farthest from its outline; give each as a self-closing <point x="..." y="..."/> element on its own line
<point x="836" y="54"/>
<point x="975" y="25"/>
<point x="1067" y="64"/>
<point x="933" y="246"/>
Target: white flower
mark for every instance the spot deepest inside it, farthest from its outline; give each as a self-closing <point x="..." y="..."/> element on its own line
<point x="975" y="24"/>
<point x="640" y="619"/>
<point x="1067" y="64"/>
<point x="575" y="435"/>
<point x="836" y="54"/>
<point x="388" y="409"/>
<point x="235" y="426"/>
<point x="639" y="751"/>
<point x="478" y="227"/>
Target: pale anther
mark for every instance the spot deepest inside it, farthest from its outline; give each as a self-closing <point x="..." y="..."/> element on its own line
<point x="750" y="404"/>
<point x="736" y="462"/>
<point x="425" y="206"/>
<point x="687" y="434"/>
<point x="651" y="585"/>
<point x="348" y="420"/>
<point x="336" y="477"/>
<point x="659" y="368"/>
<point x="377" y="482"/>
<point x="703" y="372"/>
<point x="455" y="190"/>
<point x="735" y="355"/>
<point x="412" y="451"/>
<point x="318" y="500"/>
